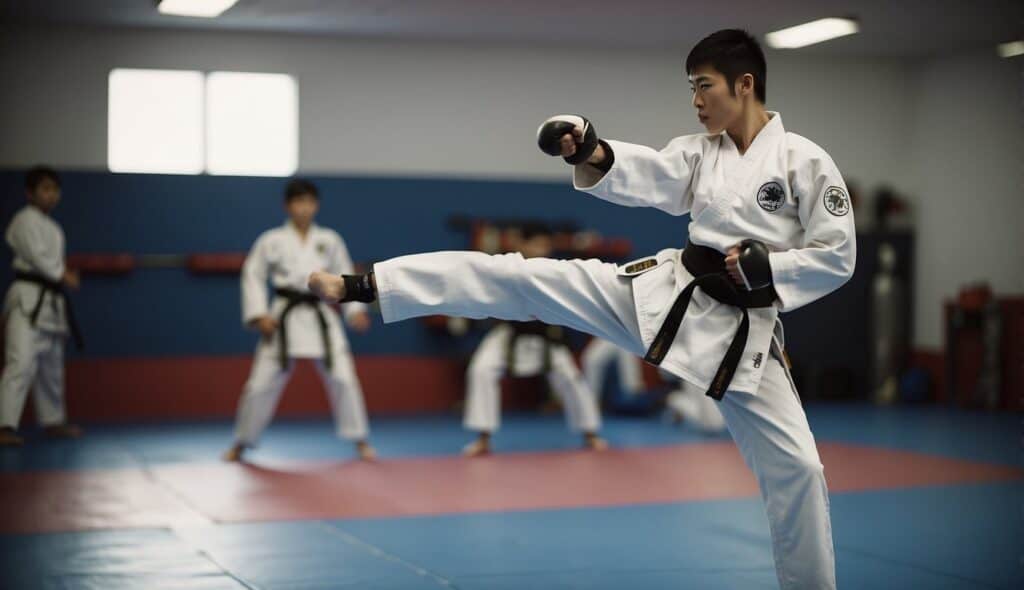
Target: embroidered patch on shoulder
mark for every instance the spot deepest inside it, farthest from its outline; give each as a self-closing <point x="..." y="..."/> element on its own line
<point x="771" y="196"/>
<point x="836" y="201"/>
<point x="321" y="247"/>
<point x="641" y="266"/>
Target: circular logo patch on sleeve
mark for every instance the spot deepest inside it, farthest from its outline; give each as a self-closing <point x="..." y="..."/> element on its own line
<point x="771" y="196"/>
<point x="836" y="201"/>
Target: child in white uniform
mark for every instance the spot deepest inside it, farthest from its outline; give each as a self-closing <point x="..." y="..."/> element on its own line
<point x="296" y="324"/>
<point x="37" y="313"/>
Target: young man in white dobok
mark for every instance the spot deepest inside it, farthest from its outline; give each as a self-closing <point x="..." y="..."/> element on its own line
<point x="771" y="230"/>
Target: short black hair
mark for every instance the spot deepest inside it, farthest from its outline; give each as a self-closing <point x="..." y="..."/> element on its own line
<point x="534" y="229"/>
<point x="733" y="52"/>
<point x="300" y="186"/>
<point x="37" y="174"/>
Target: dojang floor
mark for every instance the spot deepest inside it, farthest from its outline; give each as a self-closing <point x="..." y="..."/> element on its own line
<point x="921" y="498"/>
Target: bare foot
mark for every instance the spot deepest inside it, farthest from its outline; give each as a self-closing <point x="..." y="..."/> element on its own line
<point x="594" y="442"/>
<point x="10" y="438"/>
<point x="235" y="454"/>
<point x="327" y="286"/>
<point x="63" y="431"/>
<point x="365" y="451"/>
<point x="479" y="447"/>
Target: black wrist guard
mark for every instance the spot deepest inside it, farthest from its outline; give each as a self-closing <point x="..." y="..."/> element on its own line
<point x="359" y="288"/>
<point x="609" y="157"/>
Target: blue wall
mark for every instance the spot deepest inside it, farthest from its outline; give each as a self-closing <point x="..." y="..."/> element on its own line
<point x="160" y="312"/>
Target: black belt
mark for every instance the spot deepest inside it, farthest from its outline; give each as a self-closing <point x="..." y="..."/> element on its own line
<point x="553" y="335"/>
<point x="296" y="298"/>
<point x="57" y="289"/>
<point x="707" y="265"/>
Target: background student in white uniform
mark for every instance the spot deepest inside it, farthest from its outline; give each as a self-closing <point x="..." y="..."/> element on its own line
<point x="771" y="230"/>
<point x="599" y="356"/>
<point x="687" y="404"/>
<point x="296" y="324"/>
<point x="38" y="317"/>
<point x="525" y="349"/>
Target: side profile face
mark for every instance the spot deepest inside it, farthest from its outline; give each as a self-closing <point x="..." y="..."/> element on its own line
<point x="719" y="106"/>
<point x="45" y="195"/>
<point x="302" y="209"/>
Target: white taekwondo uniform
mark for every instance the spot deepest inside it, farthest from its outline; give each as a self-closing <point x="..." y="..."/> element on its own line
<point x="531" y="354"/>
<point x="784" y="191"/>
<point x="599" y="355"/>
<point x="696" y="408"/>
<point x="36" y="321"/>
<point x="281" y="256"/>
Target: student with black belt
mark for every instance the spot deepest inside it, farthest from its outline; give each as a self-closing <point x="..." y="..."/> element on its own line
<point x="771" y="230"/>
<point x="525" y="349"/>
<point x="38" y="314"/>
<point x="296" y="324"/>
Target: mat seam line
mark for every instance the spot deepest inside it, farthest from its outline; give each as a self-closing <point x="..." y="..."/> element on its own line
<point x="378" y="552"/>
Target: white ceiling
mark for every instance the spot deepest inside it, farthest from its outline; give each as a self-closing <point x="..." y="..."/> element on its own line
<point x="898" y="28"/>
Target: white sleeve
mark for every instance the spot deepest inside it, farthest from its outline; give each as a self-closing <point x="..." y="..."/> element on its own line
<point x="254" y="282"/>
<point x="341" y="264"/>
<point x="644" y="177"/>
<point x="28" y="241"/>
<point x="828" y="254"/>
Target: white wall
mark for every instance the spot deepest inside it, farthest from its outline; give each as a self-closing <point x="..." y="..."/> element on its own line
<point x="964" y="170"/>
<point x="947" y="131"/>
<point x="374" y="107"/>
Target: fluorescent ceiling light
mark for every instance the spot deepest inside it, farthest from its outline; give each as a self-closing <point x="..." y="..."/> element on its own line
<point x="811" y="33"/>
<point x="201" y="8"/>
<point x="1011" y="49"/>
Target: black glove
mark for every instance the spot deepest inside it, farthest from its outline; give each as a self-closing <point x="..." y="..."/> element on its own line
<point x="754" y="265"/>
<point x="550" y="133"/>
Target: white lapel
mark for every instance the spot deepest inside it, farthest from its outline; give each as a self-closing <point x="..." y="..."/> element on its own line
<point x="732" y="173"/>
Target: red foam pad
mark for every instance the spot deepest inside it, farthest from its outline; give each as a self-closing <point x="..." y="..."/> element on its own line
<point x="612" y="248"/>
<point x="217" y="263"/>
<point x="102" y="264"/>
<point x="435" y="322"/>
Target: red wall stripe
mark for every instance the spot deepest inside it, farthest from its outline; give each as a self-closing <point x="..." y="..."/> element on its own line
<point x="206" y="387"/>
<point x="183" y="388"/>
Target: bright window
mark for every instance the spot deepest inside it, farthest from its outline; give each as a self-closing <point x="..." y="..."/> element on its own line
<point x="155" y="121"/>
<point x="252" y="124"/>
<point x="185" y="122"/>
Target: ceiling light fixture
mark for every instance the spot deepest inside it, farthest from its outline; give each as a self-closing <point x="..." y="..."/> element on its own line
<point x="811" y="33"/>
<point x="197" y="8"/>
<point x="1011" y="49"/>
